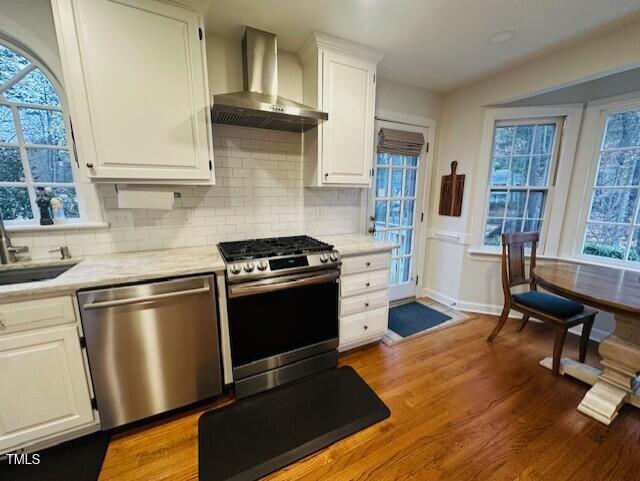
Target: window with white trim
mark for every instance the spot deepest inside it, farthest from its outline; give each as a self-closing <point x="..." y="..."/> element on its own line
<point x="613" y="224"/>
<point x="34" y="150"/>
<point x="522" y="170"/>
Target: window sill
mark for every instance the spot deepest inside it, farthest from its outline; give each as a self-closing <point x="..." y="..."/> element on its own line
<point x="493" y="255"/>
<point x="56" y="227"/>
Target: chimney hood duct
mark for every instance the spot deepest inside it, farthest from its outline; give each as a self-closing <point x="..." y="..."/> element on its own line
<point x="259" y="105"/>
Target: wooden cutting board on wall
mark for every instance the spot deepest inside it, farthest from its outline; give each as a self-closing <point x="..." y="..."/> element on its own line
<point x="451" y="192"/>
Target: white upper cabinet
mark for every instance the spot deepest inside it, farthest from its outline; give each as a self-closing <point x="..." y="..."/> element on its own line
<point x="136" y="81"/>
<point x="339" y="78"/>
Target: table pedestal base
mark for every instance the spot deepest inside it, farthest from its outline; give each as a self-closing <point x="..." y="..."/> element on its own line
<point x="618" y="382"/>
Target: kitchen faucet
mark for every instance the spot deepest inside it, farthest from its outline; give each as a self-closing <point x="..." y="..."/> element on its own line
<point x="7" y="251"/>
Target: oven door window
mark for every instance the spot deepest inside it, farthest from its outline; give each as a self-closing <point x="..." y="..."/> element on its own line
<point x="272" y="323"/>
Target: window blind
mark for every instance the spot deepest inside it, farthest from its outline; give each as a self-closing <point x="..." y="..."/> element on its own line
<point x="400" y="142"/>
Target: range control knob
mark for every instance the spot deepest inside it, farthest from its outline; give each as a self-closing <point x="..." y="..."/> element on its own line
<point x="248" y="267"/>
<point x="235" y="269"/>
<point x="262" y="265"/>
<point x="324" y="258"/>
<point x="334" y="257"/>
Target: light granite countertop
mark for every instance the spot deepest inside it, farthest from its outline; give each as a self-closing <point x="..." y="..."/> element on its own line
<point x="113" y="269"/>
<point x="354" y="244"/>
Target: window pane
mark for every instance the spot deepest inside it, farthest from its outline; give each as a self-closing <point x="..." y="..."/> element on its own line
<point x="50" y="165"/>
<point x="493" y="232"/>
<point x="500" y="171"/>
<point x="41" y="126"/>
<point x="503" y="140"/>
<point x="378" y="235"/>
<point x="396" y="182"/>
<point x="397" y="159"/>
<point x="513" y="225"/>
<point x="634" y="250"/>
<point x="11" y="63"/>
<point x="382" y="177"/>
<point x="524" y="139"/>
<point x="69" y="201"/>
<point x="15" y="203"/>
<point x="394" y="213"/>
<point x="535" y="205"/>
<point x="405" y="269"/>
<point x="381" y="212"/>
<point x="622" y="130"/>
<point x="383" y="158"/>
<point x="407" y="213"/>
<point x="543" y="139"/>
<point x="393" y="274"/>
<point x="532" y="225"/>
<point x="539" y="169"/>
<point x="393" y="236"/>
<point x="410" y="183"/>
<point x="613" y="205"/>
<point x="412" y="160"/>
<point x="10" y="165"/>
<point x="7" y="127"/>
<point x="519" y="170"/>
<point x="497" y="204"/>
<point x="405" y="242"/>
<point x="517" y="200"/>
<point x="33" y="88"/>
<point x="619" y="168"/>
<point x="606" y="240"/>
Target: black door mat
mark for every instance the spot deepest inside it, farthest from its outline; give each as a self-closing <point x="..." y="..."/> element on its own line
<point x="76" y="460"/>
<point x="263" y="433"/>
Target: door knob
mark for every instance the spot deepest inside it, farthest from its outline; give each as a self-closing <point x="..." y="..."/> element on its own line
<point x="372" y="218"/>
<point x="371" y="230"/>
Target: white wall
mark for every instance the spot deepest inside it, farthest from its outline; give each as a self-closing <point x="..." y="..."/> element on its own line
<point x="460" y="133"/>
<point x="408" y="99"/>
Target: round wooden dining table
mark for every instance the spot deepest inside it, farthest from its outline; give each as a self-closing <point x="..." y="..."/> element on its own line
<point x="616" y="291"/>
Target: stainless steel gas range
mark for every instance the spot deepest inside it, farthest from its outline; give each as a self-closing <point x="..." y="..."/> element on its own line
<point x="283" y="309"/>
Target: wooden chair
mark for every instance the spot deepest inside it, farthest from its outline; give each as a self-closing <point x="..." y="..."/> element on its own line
<point x="559" y="312"/>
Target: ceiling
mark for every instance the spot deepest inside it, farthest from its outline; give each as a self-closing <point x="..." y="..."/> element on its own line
<point x="436" y="44"/>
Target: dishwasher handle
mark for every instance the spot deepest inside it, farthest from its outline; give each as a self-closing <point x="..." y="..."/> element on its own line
<point x="141" y="299"/>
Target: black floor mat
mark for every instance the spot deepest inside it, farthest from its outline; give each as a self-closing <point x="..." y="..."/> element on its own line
<point x="76" y="460"/>
<point x="263" y="433"/>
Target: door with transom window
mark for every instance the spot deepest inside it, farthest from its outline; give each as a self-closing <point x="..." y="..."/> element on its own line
<point x="395" y="209"/>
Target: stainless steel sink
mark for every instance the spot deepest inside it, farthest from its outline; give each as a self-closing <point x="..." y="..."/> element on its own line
<point x="30" y="274"/>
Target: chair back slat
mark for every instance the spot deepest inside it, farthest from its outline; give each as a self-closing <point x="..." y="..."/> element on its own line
<point x="513" y="255"/>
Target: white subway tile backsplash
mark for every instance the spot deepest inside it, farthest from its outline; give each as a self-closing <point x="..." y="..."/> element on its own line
<point x="259" y="192"/>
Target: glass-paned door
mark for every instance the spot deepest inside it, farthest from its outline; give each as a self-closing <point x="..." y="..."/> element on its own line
<point x="396" y="211"/>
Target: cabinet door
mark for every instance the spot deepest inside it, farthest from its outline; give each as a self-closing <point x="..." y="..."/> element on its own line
<point x="137" y="87"/>
<point x="348" y="96"/>
<point x="44" y="388"/>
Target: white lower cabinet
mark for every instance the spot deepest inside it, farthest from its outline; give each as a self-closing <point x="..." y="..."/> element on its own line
<point x="364" y="299"/>
<point x="44" y="390"/>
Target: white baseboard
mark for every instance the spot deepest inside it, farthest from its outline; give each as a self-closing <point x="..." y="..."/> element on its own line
<point x="495" y="310"/>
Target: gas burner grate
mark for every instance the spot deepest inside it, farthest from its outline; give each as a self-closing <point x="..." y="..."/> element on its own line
<point x="270" y="247"/>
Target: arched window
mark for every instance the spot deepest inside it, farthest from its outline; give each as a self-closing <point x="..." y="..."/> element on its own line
<point x="34" y="142"/>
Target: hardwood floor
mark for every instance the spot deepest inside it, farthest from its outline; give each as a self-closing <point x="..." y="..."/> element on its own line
<point x="462" y="409"/>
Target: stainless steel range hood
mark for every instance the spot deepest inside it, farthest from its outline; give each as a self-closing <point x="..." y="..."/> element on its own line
<point x="259" y="105"/>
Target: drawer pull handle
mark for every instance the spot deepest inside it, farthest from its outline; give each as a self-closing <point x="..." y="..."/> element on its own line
<point x="366" y="327"/>
<point x="368" y="264"/>
<point x="2" y="325"/>
<point x="367" y="284"/>
<point x="366" y="304"/>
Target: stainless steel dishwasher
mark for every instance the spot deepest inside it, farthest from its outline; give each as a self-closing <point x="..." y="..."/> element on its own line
<point x="152" y="347"/>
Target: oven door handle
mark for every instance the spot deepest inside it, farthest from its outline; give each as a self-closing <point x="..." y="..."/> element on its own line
<point x="289" y="282"/>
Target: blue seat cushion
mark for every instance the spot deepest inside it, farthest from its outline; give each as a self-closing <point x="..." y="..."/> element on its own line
<point x="550" y="304"/>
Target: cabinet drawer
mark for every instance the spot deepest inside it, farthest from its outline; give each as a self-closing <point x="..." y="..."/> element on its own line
<point x="363" y="325"/>
<point x="364" y="302"/>
<point x="17" y="316"/>
<point x="372" y="262"/>
<point x="365" y="282"/>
